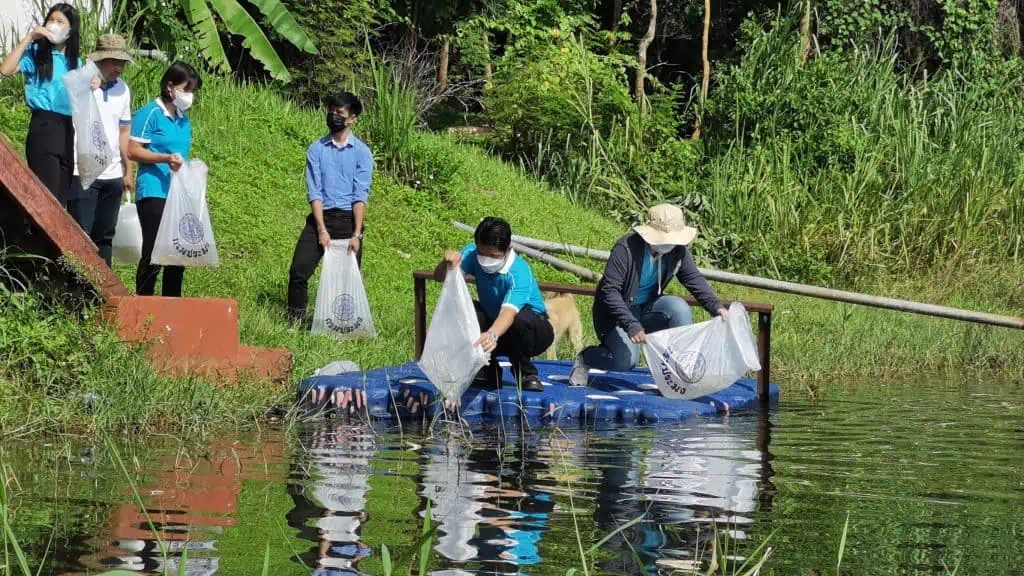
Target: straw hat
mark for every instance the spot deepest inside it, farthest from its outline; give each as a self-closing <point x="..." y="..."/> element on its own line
<point x="110" y="47"/>
<point x="666" y="225"/>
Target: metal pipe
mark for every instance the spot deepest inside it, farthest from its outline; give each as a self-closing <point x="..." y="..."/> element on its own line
<point x="807" y="290"/>
<point x="532" y="252"/>
<point x="548" y="246"/>
<point x="557" y="262"/>
<point x="865" y="299"/>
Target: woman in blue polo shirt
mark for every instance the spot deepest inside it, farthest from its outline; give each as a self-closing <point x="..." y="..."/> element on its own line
<point x="510" y="308"/>
<point x="160" y="142"/>
<point x="43" y="57"/>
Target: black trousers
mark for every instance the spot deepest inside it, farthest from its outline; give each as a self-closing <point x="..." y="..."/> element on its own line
<point x="151" y="210"/>
<point x="49" y="150"/>
<point x="530" y="335"/>
<point x="308" y="253"/>
<point x="96" y="211"/>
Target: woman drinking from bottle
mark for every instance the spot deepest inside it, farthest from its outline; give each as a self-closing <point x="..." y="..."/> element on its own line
<point x="43" y="57"/>
<point x="160" y="142"/>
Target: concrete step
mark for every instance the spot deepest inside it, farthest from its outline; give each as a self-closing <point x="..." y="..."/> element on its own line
<point x="194" y="336"/>
<point x="182" y="336"/>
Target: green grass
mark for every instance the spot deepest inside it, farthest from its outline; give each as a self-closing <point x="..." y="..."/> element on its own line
<point x="255" y="142"/>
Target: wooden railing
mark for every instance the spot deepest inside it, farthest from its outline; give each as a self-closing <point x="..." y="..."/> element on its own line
<point x="763" y="311"/>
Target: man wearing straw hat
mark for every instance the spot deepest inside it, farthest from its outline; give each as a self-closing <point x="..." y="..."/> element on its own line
<point x="96" y="208"/>
<point x="629" y="302"/>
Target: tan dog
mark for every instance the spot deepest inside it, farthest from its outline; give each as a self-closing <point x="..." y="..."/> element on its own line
<point x="565" y="320"/>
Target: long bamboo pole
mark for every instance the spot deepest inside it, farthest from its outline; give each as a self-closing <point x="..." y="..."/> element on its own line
<point x="800" y="289"/>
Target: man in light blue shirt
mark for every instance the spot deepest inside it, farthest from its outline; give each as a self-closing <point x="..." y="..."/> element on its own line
<point x="510" y="309"/>
<point x="339" y="168"/>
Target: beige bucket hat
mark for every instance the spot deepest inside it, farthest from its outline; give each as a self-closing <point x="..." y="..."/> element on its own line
<point x="110" y="47"/>
<point x="666" y="225"/>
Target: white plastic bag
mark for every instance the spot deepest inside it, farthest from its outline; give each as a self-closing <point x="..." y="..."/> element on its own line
<point x="450" y="360"/>
<point x="692" y="361"/>
<point x="127" y="245"/>
<point x="94" y="151"/>
<point x="342" y="309"/>
<point x="185" y="236"/>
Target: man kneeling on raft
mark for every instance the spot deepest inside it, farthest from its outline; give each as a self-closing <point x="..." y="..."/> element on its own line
<point x="510" y="308"/>
<point x="629" y="302"/>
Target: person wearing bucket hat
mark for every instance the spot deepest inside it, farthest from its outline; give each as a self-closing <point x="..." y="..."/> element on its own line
<point x="96" y="208"/>
<point x="629" y="302"/>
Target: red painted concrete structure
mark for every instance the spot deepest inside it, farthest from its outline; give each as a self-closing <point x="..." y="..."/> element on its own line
<point x="182" y="336"/>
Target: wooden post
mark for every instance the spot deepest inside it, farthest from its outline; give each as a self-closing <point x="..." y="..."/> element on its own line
<point x="764" y="349"/>
<point x="420" y="313"/>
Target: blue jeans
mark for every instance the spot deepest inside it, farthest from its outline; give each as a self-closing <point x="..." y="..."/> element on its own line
<point x="617" y="353"/>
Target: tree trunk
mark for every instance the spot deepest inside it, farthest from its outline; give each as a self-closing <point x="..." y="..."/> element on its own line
<point x="805" y="32"/>
<point x="707" y="69"/>
<point x="442" y="74"/>
<point x="488" y="69"/>
<point x="641" y="58"/>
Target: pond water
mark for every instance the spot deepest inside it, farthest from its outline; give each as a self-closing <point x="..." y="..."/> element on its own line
<point x="930" y="475"/>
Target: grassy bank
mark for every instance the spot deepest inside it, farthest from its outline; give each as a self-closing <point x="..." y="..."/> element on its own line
<point x="255" y="145"/>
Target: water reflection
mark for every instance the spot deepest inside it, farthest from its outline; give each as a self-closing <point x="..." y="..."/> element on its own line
<point x="338" y="458"/>
<point x="488" y="508"/>
<point x="681" y="481"/>
<point x="188" y="505"/>
<point x="496" y="495"/>
<point x="927" y="482"/>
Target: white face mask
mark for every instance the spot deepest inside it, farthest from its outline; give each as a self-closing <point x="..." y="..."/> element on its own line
<point x="662" y="249"/>
<point x="59" y="32"/>
<point x="489" y="264"/>
<point x="182" y="100"/>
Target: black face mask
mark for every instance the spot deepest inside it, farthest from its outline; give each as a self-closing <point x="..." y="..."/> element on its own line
<point x="335" y="122"/>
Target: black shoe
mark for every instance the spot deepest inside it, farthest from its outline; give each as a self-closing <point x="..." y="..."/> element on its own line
<point x="531" y="383"/>
<point x="488" y="378"/>
<point x="295" y="320"/>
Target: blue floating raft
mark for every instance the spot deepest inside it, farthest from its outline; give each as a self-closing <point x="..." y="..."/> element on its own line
<point x="611" y="397"/>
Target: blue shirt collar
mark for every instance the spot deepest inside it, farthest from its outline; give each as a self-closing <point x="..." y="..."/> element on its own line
<point x="350" y="141"/>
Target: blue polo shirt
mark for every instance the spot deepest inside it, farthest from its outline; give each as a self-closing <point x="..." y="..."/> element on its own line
<point x="647" y="288"/>
<point x="513" y="286"/>
<point x="49" y="95"/>
<point x="154" y="126"/>
<point x="339" y="176"/>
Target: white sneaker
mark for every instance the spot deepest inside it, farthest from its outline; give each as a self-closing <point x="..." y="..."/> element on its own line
<point x="580" y="373"/>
